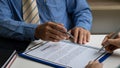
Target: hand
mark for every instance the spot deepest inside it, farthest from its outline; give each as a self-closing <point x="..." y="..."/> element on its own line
<point x="114" y="43"/>
<point x="51" y="31"/>
<point x="81" y="35"/>
<point x="94" y="64"/>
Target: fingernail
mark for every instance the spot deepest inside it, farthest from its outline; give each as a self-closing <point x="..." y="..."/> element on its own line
<point x="80" y="42"/>
<point x="87" y="40"/>
<point x="54" y="40"/>
<point x="84" y="42"/>
<point x="75" y="41"/>
<point x="64" y="37"/>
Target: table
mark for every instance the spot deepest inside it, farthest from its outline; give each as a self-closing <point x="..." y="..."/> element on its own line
<point x="95" y="41"/>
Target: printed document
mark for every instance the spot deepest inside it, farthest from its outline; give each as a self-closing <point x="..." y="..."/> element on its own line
<point x="65" y="53"/>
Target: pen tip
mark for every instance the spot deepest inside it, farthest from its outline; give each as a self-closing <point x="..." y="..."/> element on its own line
<point x="100" y="50"/>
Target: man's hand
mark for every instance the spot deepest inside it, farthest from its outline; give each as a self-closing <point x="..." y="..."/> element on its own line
<point x="94" y="64"/>
<point x="81" y="35"/>
<point x="51" y="31"/>
<point x="113" y="43"/>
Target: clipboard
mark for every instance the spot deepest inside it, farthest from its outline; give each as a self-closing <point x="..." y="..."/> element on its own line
<point x="27" y="54"/>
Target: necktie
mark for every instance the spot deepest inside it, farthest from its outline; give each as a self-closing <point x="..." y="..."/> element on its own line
<point x="30" y="11"/>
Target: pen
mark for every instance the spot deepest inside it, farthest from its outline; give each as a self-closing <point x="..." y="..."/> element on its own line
<point x="71" y="36"/>
<point x="112" y="37"/>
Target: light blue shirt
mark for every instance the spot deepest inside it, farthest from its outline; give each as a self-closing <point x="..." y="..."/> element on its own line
<point x="71" y="13"/>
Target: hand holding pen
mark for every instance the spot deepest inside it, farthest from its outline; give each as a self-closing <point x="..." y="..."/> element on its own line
<point x="77" y="34"/>
<point x="111" y="42"/>
<point x="51" y="31"/>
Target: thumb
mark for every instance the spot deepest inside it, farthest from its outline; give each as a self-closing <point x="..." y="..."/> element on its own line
<point x="113" y="42"/>
<point x="69" y="31"/>
<point x="60" y="24"/>
<point x="119" y="35"/>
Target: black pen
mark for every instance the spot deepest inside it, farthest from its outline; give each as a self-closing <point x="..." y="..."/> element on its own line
<point x="112" y="37"/>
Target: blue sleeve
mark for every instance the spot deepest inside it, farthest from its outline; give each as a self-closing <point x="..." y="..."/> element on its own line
<point x="14" y="29"/>
<point x="81" y="13"/>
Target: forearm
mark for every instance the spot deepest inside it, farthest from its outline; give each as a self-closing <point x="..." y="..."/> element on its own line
<point x="84" y="20"/>
<point x="17" y="30"/>
<point x="82" y="15"/>
<point x="11" y="26"/>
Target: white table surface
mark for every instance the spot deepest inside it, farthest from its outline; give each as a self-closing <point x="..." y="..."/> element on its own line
<point x="111" y="62"/>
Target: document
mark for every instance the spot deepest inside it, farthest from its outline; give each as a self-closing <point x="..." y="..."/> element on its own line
<point x="64" y="53"/>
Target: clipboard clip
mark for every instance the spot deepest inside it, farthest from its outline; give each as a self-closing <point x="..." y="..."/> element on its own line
<point x="100" y="56"/>
<point x="103" y="56"/>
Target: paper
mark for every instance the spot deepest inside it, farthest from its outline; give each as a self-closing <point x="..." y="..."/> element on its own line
<point x="64" y="53"/>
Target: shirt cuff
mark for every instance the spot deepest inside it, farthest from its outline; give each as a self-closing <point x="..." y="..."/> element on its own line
<point x="86" y="26"/>
<point x="29" y="31"/>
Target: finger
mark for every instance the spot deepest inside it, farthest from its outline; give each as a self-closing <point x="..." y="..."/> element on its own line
<point x="84" y="38"/>
<point x="75" y="35"/>
<point x="57" y="27"/>
<point x="104" y="41"/>
<point x="115" y="42"/>
<point x="86" y="66"/>
<point x="52" y="39"/>
<point x="119" y="35"/>
<point x="88" y="36"/>
<point x="106" y="38"/>
<point x="97" y="64"/>
<point x="110" y="48"/>
<point x="58" y="33"/>
<point x="90" y="62"/>
<point x="60" y="24"/>
<point x="112" y="41"/>
<point x="110" y="34"/>
<point x="55" y="37"/>
<point x="80" y="37"/>
<point x="96" y="61"/>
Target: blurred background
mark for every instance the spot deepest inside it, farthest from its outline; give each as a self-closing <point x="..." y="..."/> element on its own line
<point x="106" y="16"/>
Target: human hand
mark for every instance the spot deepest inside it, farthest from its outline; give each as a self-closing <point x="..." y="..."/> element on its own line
<point x="51" y="31"/>
<point x="113" y="43"/>
<point x="81" y="35"/>
<point x="94" y="64"/>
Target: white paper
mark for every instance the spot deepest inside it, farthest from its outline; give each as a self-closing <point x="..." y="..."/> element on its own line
<point x="68" y="54"/>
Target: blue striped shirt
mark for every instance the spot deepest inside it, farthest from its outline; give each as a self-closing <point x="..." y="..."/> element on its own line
<point x="71" y="13"/>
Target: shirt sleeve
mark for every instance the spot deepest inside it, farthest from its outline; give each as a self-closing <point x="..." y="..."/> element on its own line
<point x="81" y="13"/>
<point x="14" y="29"/>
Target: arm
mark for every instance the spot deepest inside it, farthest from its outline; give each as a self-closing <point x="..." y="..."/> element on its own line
<point x="81" y="13"/>
<point x="82" y="19"/>
<point x="11" y="28"/>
